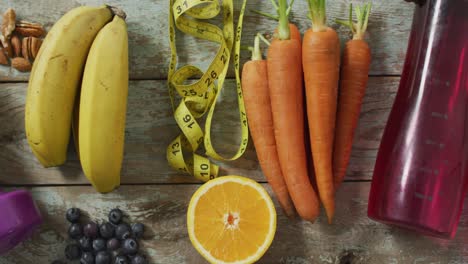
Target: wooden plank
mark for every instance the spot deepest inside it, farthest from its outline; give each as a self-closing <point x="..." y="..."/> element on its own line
<point x="151" y="127"/>
<point x="353" y="238"/>
<point x="149" y="48"/>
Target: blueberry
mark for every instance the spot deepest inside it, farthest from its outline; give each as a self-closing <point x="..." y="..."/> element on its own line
<point x="91" y="230"/>
<point x="122" y="231"/>
<point x="72" y="252"/>
<point x="138" y="229"/>
<point x="99" y="244"/>
<point x="87" y="258"/>
<point x="130" y="246"/>
<point x="86" y="244"/>
<point x="121" y="260"/>
<point x="116" y="252"/>
<point x="113" y="244"/>
<point x="139" y="259"/>
<point x="115" y="216"/>
<point x="106" y="230"/>
<point x="75" y="231"/>
<point x="103" y="257"/>
<point x="73" y="215"/>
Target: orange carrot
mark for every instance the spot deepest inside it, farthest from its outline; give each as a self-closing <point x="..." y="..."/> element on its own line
<point x="294" y="31"/>
<point x="354" y="75"/>
<point x="310" y="160"/>
<point x="321" y="62"/>
<point x="258" y="108"/>
<point x="286" y="95"/>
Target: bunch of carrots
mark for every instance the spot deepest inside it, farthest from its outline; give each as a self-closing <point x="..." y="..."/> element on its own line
<point x="284" y="116"/>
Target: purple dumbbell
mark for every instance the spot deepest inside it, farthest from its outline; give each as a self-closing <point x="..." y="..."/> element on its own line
<point x="19" y="216"/>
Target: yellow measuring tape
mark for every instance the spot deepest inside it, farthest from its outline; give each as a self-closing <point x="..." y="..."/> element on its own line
<point x="199" y="97"/>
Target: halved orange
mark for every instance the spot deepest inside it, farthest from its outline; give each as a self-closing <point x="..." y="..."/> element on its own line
<point x="231" y="219"/>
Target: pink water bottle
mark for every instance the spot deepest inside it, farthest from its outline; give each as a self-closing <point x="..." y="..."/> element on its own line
<point x="421" y="173"/>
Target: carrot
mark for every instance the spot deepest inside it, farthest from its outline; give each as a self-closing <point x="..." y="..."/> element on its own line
<point x="286" y="95"/>
<point x="354" y="75"/>
<point x="295" y="33"/>
<point x="321" y="62"/>
<point x="257" y="104"/>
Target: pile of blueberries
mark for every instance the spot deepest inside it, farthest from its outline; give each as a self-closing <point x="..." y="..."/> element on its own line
<point x="113" y="242"/>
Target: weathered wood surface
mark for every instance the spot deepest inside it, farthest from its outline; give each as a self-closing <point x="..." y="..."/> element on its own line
<point x="151" y="127"/>
<point x="149" y="48"/>
<point x="150" y="191"/>
<point x="353" y="238"/>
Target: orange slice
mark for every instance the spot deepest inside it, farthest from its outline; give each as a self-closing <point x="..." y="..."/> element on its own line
<point x="231" y="219"/>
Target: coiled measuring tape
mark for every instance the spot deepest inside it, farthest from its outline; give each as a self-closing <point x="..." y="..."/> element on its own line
<point x="199" y="98"/>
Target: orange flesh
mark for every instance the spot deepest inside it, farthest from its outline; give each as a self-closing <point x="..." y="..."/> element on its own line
<point x="236" y="229"/>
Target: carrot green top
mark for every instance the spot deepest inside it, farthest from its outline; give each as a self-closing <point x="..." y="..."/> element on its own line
<point x="362" y="13"/>
<point x="256" y="51"/>
<point x="282" y="9"/>
<point x="283" y="27"/>
<point x="317" y="14"/>
<point x="271" y="16"/>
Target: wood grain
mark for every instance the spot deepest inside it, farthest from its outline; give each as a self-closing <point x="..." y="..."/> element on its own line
<point x="353" y="238"/>
<point x="149" y="48"/>
<point x="151" y="127"/>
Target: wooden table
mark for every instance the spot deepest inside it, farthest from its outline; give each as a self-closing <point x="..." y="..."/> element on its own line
<point x="153" y="193"/>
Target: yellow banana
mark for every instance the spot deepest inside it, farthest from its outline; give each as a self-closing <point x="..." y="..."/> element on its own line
<point x="54" y="79"/>
<point x="103" y="106"/>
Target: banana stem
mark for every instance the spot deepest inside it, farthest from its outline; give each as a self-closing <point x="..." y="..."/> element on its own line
<point x="117" y="12"/>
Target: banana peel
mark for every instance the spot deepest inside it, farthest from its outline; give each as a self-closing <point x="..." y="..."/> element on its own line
<point x="102" y="109"/>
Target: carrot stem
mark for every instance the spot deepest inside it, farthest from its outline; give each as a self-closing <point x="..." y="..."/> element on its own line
<point x="288" y="10"/>
<point x="273" y="2"/>
<point x="256" y="52"/>
<point x="363" y="19"/>
<point x="264" y="39"/>
<point x="362" y="14"/>
<point x="342" y="22"/>
<point x="267" y="15"/>
<point x="317" y="14"/>
<point x="283" y="27"/>
<point x="271" y="16"/>
<point x="244" y="47"/>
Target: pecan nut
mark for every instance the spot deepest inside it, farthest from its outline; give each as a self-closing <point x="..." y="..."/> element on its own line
<point x="3" y="57"/>
<point x="8" y="26"/>
<point x="8" y="48"/>
<point x="16" y="45"/>
<point x="25" y="47"/>
<point x="35" y="46"/>
<point x="29" y="29"/>
<point x="21" y="64"/>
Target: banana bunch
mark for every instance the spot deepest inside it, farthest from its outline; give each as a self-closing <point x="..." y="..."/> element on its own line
<point x="87" y="48"/>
